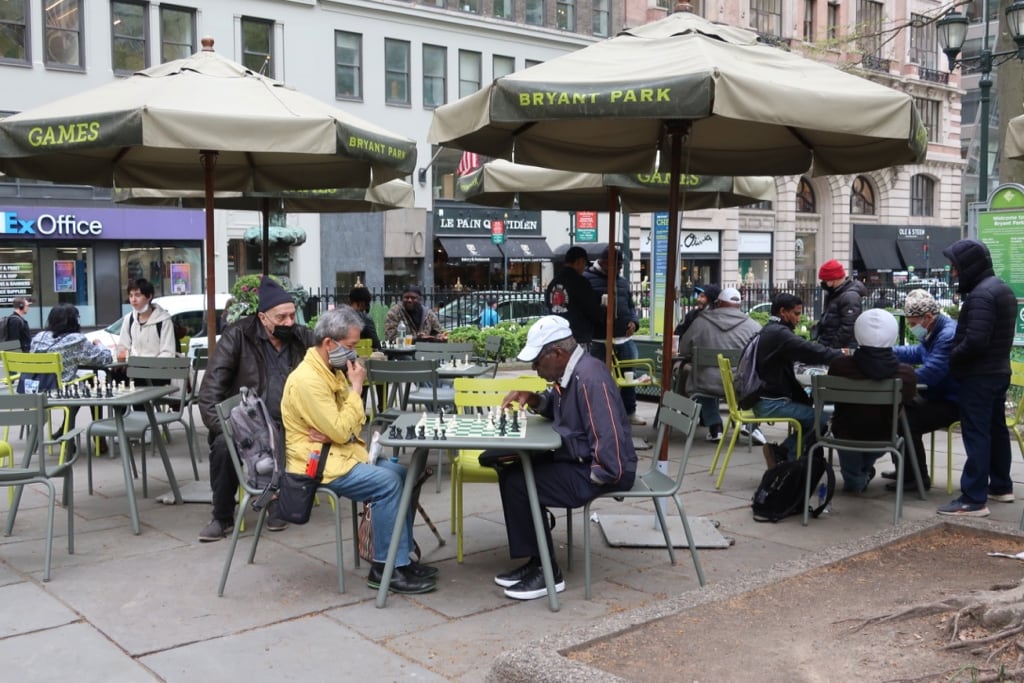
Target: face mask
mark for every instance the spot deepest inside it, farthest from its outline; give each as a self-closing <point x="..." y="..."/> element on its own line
<point x="283" y="332"/>
<point x="145" y="307"/>
<point x="919" y="331"/>
<point x="339" y="357"/>
<point x="825" y="286"/>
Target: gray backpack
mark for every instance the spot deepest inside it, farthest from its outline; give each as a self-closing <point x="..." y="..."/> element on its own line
<point x="746" y="381"/>
<point x="258" y="445"/>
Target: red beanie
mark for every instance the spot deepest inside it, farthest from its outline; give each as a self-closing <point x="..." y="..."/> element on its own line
<point x="831" y="270"/>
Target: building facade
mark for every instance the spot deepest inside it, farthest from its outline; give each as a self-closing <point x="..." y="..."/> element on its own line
<point x="394" y="62"/>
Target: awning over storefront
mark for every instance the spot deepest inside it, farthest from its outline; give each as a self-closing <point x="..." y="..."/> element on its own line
<point x="878" y="253"/>
<point x="469" y="249"/>
<point x="913" y="254"/>
<point x="525" y="249"/>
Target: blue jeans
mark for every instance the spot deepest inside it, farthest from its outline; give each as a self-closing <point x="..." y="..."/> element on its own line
<point x="709" y="413"/>
<point x="986" y="438"/>
<point x="784" y="407"/>
<point x="856" y="468"/>
<point x="624" y="351"/>
<point x="381" y="484"/>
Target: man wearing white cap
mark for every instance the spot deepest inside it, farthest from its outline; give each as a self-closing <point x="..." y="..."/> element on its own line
<point x="596" y="455"/>
<point x="723" y="327"/>
<point x="875" y="332"/>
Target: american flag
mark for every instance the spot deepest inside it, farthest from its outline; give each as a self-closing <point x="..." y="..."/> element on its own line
<point x="468" y="163"/>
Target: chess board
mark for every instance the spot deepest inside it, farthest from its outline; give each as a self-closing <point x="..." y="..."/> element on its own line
<point x="465" y="426"/>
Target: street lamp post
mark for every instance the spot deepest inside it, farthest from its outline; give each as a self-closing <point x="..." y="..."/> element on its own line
<point x="952" y="32"/>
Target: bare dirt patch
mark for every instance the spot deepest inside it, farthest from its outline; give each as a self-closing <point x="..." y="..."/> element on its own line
<point x="812" y="627"/>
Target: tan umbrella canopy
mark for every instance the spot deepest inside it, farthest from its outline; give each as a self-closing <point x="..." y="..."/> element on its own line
<point x="201" y="123"/>
<point x="394" y="194"/>
<point x="1015" y="138"/>
<point x="709" y="97"/>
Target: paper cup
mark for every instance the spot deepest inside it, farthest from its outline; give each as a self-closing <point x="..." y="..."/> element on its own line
<point x="628" y="375"/>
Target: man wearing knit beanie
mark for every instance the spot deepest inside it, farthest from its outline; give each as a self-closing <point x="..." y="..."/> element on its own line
<point x="842" y="306"/>
<point x="936" y="405"/>
<point x="875" y="332"/>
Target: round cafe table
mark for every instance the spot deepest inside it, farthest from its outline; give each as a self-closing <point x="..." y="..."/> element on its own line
<point x="399" y="352"/>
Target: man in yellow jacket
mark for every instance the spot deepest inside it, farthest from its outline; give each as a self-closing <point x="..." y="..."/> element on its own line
<point x="322" y="405"/>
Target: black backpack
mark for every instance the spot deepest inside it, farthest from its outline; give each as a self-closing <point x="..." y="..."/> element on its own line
<point x="6" y="334"/>
<point x="781" y="491"/>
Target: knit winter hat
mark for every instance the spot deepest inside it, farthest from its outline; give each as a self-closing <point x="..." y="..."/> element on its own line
<point x="876" y="328"/>
<point x="920" y="302"/>
<point x="831" y="270"/>
<point x="272" y="294"/>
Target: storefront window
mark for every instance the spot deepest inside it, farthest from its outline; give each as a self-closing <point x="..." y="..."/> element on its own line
<point x="18" y="275"/>
<point x="805" y="266"/>
<point x="172" y="270"/>
<point x="64" y="273"/>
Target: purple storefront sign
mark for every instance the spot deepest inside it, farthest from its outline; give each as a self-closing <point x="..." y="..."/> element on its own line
<point x="76" y="223"/>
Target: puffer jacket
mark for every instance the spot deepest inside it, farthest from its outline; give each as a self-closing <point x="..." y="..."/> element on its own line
<point x="720" y="328"/>
<point x="842" y="306"/>
<point x="625" y="309"/>
<point x="238" y="362"/>
<point x="932" y="358"/>
<point x="984" y="330"/>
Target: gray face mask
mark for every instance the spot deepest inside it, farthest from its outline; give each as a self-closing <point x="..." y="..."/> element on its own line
<point x="340" y="356"/>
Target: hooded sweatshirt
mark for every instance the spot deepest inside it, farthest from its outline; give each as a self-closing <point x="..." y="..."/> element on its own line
<point x="719" y="328"/>
<point x="152" y="339"/>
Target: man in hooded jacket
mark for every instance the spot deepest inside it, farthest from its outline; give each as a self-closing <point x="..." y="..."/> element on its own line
<point x="980" y="362"/>
<point x="842" y="306"/>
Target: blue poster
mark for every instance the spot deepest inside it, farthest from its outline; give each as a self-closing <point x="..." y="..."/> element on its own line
<point x="659" y="271"/>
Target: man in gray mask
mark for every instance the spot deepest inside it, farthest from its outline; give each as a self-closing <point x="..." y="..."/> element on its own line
<point x="258" y="352"/>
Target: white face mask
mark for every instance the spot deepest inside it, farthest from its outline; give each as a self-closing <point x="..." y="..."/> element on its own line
<point x="919" y="331"/>
<point x="145" y="307"/>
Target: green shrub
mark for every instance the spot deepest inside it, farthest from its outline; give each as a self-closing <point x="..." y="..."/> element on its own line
<point x="513" y="337"/>
<point x="246" y="293"/>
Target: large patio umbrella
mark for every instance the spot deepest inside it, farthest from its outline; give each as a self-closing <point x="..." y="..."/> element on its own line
<point x="394" y="194"/>
<point x="710" y="97"/>
<point x="203" y="123"/>
<point x="501" y="183"/>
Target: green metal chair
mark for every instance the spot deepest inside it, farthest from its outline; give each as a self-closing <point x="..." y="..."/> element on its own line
<point x="830" y="391"/>
<point x="249" y="492"/>
<point x="675" y="413"/>
<point x="30" y="411"/>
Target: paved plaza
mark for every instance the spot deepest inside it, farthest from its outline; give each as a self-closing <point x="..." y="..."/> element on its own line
<point x="143" y="608"/>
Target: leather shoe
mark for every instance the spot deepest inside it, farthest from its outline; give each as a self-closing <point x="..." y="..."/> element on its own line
<point x="909" y="485"/>
<point x="401" y="581"/>
<point x="420" y="571"/>
<point x="891" y="474"/>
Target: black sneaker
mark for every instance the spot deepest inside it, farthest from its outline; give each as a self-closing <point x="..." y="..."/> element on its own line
<point x="275" y="524"/>
<point x="420" y="571"/>
<point x="714" y="433"/>
<point x="516" y="575"/>
<point x="215" y="530"/>
<point x="532" y="586"/>
<point x="891" y="474"/>
<point x="402" y="581"/>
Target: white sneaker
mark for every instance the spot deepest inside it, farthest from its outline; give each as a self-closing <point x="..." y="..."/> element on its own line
<point x="757" y="436"/>
<point x="635" y="419"/>
<point x="713" y="437"/>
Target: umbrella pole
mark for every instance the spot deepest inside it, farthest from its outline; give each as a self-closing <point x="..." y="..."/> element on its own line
<point x="609" y="323"/>
<point x="265" y="246"/>
<point x="209" y="159"/>
<point x="675" y="130"/>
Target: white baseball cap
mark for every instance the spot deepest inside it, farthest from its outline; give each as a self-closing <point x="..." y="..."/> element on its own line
<point x="548" y="329"/>
<point x="730" y="295"/>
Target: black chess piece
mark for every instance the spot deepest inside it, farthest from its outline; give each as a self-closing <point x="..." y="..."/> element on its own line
<point x="435" y="434"/>
<point x="501" y="427"/>
<point x="423" y="433"/>
<point x="410" y="432"/>
<point x="440" y="416"/>
<point x="515" y="421"/>
<point x="443" y="437"/>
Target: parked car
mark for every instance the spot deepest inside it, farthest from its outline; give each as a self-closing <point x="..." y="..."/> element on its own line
<point x="520" y="307"/>
<point x="188" y="313"/>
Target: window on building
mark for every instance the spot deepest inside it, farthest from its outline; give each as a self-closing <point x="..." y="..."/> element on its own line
<point x="766" y="17"/>
<point x="862" y="197"/>
<point x="505" y="9"/>
<point x="258" y="45"/>
<point x="435" y="75"/>
<point x="469" y="72"/>
<point x="469" y="6"/>
<point x="922" y="196"/>
<point x="602" y="17"/>
<point x="930" y="116"/>
<point x="348" y="65"/>
<point x="396" y="71"/>
<point x="533" y="62"/>
<point x="923" y="41"/>
<point x="809" y="9"/>
<point x="870" y="18"/>
<point x="832" y="20"/>
<point x="806" y="202"/>
<point x="177" y="32"/>
<point x="764" y="205"/>
<point x="63" y="34"/>
<point x="535" y="12"/>
<point x="565" y="14"/>
<point x="503" y="66"/>
<point x="129" y="22"/>
<point x="970" y="105"/>
<point x="14" y="31"/>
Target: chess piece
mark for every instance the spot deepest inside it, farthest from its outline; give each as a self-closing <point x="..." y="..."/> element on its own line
<point x="423" y="433"/>
<point x="440" y="416"/>
<point x="410" y="432"/>
<point x="515" y="420"/>
<point x="443" y="437"/>
<point x="435" y="433"/>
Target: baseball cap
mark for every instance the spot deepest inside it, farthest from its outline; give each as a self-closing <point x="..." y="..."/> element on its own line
<point x="730" y="295"/>
<point x="548" y="329"/>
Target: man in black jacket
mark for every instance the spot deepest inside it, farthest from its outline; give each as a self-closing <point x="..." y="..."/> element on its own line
<point x="980" y="362"/>
<point x="782" y="395"/>
<point x="842" y="306"/>
<point x="570" y="295"/>
<point x="258" y="352"/>
<point x="17" y="326"/>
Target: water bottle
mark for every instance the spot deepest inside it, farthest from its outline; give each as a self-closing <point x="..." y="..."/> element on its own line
<point x="401" y="333"/>
<point x="822" y="495"/>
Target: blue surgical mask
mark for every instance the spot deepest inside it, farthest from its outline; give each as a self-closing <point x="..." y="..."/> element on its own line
<point x="339" y="357"/>
<point x="919" y="331"/>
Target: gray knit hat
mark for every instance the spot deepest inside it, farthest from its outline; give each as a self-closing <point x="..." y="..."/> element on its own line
<point x="920" y="302"/>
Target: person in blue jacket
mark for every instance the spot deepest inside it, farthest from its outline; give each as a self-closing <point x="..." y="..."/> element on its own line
<point x="489" y="317"/>
<point x="936" y="405"/>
